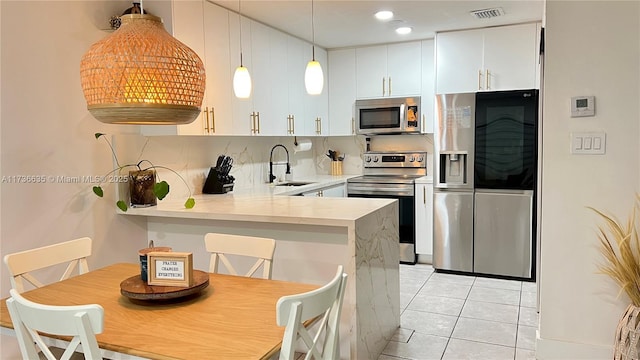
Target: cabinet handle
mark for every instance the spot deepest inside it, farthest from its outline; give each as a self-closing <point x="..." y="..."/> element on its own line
<point x="424" y="194"/>
<point x="288" y="124"/>
<point x="213" y="120"/>
<point x="353" y="125"/>
<point x="258" y="122"/>
<point x="206" y="120"/>
<point x="253" y="122"/>
<point x="479" y="79"/>
<point x="487" y="79"/>
<point x="383" y="85"/>
<point x="389" y="85"/>
<point x="293" y="124"/>
<point x="318" y="125"/>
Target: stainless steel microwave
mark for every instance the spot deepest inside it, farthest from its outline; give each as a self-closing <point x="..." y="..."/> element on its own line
<point x="400" y="115"/>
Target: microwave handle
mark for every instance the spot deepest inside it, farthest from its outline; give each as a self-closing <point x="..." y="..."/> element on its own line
<point x="403" y="114"/>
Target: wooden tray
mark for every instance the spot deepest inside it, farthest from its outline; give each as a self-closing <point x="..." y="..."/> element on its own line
<point x="136" y="289"/>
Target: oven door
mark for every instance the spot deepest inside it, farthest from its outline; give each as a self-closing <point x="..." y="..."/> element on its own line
<point x="406" y="209"/>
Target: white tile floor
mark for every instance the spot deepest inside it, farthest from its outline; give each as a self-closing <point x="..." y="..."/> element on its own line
<point x="455" y="317"/>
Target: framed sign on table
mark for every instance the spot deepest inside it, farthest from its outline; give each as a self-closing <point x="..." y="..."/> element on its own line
<point x="170" y="269"/>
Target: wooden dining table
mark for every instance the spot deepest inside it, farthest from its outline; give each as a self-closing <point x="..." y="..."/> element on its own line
<point x="233" y="318"/>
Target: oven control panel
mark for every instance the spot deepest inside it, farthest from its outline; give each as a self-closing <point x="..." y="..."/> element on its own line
<point x="380" y="159"/>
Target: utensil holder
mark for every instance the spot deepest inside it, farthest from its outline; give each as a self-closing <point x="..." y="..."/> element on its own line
<point x="336" y="168"/>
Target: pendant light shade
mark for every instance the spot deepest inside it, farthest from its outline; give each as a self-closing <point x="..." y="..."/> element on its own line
<point x="241" y="78"/>
<point x="242" y="83"/>
<point x="142" y="75"/>
<point x="313" y="78"/>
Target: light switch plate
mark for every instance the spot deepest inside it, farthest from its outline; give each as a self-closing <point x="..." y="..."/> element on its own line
<point x="588" y="143"/>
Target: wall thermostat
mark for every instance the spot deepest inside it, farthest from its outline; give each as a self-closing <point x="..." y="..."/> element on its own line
<point x="583" y="106"/>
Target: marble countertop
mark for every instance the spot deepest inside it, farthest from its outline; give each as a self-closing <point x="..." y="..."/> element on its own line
<point x="264" y="204"/>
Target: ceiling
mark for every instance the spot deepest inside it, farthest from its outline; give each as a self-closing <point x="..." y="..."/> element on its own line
<point x="351" y="23"/>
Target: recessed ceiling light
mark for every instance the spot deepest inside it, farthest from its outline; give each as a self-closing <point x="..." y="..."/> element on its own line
<point x="384" y="15"/>
<point x="403" y="30"/>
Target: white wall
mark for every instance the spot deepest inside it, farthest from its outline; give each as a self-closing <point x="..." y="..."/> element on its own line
<point x="592" y="48"/>
<point x="46" y="130"/>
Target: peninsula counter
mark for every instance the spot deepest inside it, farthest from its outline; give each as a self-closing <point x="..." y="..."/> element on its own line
<point x="313" y="235"/>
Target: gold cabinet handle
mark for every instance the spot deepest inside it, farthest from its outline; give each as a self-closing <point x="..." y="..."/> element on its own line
<point x="487" y="79"/>
<point x="206" y="121"/>
<point x="389" y="85"/>
<point x="479" y="79"/>
<point x="252" y="116"/>
<point x="213" y="120"/>
<point x="258" y="122"/>
<point x="383" y="86"/>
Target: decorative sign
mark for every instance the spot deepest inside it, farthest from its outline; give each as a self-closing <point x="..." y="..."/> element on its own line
<point x="170" y="268"/>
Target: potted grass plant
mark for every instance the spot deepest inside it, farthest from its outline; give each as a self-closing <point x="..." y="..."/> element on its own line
<point x="144" y="184"/>
<point x="620" y="247"/>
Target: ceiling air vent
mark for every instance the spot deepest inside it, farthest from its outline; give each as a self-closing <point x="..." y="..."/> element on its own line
<point x="487" y="13"/>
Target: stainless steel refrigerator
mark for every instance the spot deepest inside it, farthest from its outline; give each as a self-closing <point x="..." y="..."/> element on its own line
<point x="485" y="173"/>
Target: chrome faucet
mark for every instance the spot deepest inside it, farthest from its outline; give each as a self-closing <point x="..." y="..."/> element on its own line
<point x="271" y="163"/>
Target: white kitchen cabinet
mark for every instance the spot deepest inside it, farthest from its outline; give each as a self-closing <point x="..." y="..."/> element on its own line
<point x="428" y="86"/>
<point x="316" y="111"/>
<point x="188" y="27"/>
<point x="218" y="119"/>
<point x="204" y="27"/>
<point x="424" y="218"/>
<point x="511" y="57"/>
<point x="296" y="65"/>
<point x="329" y="191"/>
<point x="243" y="119"/>
<point x="342" y="91"/>
<point x="491" y="59"/>
<point x="388" y="70"/>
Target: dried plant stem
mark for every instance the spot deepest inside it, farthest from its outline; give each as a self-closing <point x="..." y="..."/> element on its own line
<point x="620" y="246"/>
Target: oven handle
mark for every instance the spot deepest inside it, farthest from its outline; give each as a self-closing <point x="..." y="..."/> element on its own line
<point x="396" y="191"/>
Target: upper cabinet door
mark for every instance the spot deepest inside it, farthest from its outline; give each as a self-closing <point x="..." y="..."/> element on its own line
<point x="458" y="61"/>
<point x="428" y="86"/>
<point x="404" y="71"/>
<point x="492" y="59"/>
<point x="316" y="110"/>
<point x="371" y="75"/>
<point x="510" y="57"/>
<point x="296" y="65"/>
<point x="342" y="91"/>
<point x="241" y="109"/>
<point x="278" y="49"/>
<point x="218" y="120"/>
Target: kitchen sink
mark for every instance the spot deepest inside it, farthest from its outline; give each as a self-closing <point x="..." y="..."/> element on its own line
<point x="294" y="183"/>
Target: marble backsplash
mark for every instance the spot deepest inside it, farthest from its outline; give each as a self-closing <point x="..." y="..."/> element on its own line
<point x="192" y="156"/>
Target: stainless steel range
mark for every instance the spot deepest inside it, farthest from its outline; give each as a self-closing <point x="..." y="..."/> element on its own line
<point x="392" y="175"/>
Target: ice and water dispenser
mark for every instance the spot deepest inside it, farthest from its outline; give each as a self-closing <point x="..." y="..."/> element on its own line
<point x="453" y="168"/>
<point x="454" y="141"/>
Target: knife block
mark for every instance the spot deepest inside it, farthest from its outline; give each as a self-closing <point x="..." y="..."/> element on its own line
<point x="214" y="184"/>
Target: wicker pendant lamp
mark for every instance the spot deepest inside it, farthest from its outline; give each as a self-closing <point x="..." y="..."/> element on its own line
<point x="142" y="75"/>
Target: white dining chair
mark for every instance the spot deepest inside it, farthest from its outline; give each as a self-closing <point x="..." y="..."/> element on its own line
<point x="21" y="264"/>
<point x="82" y="322"/>
<point x="221" y="245"/>
<point x="293" y="310"/>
